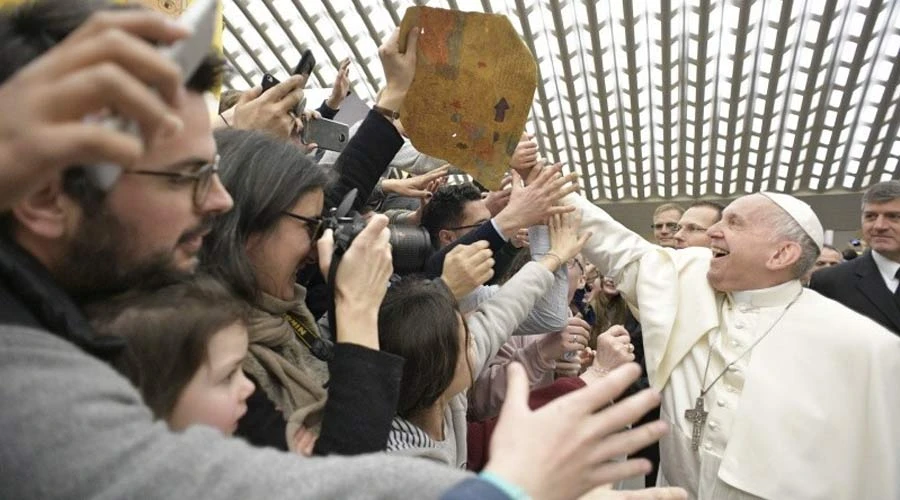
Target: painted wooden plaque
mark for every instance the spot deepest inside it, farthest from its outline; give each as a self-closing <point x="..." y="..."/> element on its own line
<point x="474" y="85"/>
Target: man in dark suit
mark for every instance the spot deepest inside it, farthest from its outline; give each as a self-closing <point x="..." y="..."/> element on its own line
<point x="869" y="285"/>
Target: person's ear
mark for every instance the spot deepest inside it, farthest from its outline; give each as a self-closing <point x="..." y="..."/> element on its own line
<point x="47" y="212"/>
<point x="785" y="257"/>
<point x="446" y="237"/>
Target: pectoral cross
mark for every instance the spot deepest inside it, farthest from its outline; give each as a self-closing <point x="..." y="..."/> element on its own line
<point x="697" y="416"/>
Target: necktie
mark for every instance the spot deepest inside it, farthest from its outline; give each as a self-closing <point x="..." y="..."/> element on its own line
<point x="897" y="290"/>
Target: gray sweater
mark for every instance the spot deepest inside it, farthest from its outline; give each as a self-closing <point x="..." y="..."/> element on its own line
<point x="74" y="428"/>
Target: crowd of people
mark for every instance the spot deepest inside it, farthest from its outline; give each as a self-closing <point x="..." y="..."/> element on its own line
<point x="211" y="326"/>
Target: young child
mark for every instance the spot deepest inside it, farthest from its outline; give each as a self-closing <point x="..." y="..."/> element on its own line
<point x="185" y="346"/>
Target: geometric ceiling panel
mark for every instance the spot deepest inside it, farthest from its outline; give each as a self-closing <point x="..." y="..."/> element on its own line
<point x="655" y="99"/>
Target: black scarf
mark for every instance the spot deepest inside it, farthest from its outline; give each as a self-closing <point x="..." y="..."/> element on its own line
<point x="29" y="296"/>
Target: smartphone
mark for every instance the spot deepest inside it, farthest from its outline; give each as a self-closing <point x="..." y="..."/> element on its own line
<point x="188" y="53"/>
<point x="268" y="81"/>
<point x="307" y="63"/>
<point x="304" y="67"/>
<point x="327" y="134"/>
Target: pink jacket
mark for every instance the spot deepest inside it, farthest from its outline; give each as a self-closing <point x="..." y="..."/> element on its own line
<point x="487" y="394"/>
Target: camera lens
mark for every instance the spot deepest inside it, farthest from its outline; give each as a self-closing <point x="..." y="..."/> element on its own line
<point x="411" y="248"/>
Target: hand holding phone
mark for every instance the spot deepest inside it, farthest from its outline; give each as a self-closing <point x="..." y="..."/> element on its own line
<point x="269" y="81"/>
<point x="29" y="118"/>
<point x="306" y="65"/>
<point x="188" y="53"/>
<point x="326" y="134"/>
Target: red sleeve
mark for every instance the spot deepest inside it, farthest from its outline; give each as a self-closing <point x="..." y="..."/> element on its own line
<point x="478" y="438"/>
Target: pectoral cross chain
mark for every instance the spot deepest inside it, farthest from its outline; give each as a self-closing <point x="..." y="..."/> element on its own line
<point x="697" y="417"/>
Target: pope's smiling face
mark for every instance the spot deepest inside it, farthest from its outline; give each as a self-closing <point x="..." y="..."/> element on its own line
<point x="742" y="243"/>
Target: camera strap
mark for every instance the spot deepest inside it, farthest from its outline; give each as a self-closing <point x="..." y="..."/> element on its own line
<point x="332" y="276"/>
<point x="318" y="346"/>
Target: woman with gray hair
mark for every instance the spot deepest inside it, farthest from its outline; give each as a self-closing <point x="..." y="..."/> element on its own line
<point x="257" y="248"/>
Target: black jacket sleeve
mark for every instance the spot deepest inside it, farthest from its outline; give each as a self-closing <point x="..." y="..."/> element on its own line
<point x="263" y="424"/>
<point x="486" y="231"/>
<point x="327" y="112"/>
<point x="363" y="390"/>
<point x="504" y="260"/>
<point x="362" y="400"/>
<point x="364" y="160"/>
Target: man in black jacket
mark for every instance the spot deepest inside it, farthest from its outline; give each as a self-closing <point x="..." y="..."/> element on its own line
<point x="869" y="285"/>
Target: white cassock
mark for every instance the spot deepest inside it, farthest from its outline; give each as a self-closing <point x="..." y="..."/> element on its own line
<point x="811" y="412"/>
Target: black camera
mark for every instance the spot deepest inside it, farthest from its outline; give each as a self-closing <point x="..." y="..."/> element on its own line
<point x="410" y="245"/>
<point x="410" y="248"/>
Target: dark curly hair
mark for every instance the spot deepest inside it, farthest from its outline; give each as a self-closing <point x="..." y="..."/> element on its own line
<point x="446" y="207"/>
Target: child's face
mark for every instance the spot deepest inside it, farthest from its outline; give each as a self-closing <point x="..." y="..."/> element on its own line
<point x="218" y="392"/>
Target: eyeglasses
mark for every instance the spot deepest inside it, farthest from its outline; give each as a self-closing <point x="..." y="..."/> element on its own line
<point x="690" y="228"/>
<point x="671" y="226"/>
<point x="201" y="179"/>
<point x="470" y="226"/>
<point x="315" y="226"/>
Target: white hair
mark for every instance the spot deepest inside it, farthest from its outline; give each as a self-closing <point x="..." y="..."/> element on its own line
<point x="785" y="227"/>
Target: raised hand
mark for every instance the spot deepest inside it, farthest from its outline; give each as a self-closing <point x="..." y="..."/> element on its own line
<point x="533" y="204"/>
<point x="108" y="63"/>
<point x="467" y="267"/>
<point x="614" y="348"/>
<point x="496" y="201"/>
<point x="539" y="452"/>
<point x="416" y="186"/>
<point x="361" y="281"/>
<point x="399" y="68"/>
<point x="341" y="86"/>
<point x="525" y="157"/>
<point x="564" y="240"/>
<point x="271" y="111"/>
<point x="300" y="123"/>
<point x="574" y="337"/>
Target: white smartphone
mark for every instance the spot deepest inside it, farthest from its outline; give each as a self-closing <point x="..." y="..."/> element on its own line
<point x="188" y="53"/>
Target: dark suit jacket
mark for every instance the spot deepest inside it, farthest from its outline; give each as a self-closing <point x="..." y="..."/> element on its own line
<point x="858" y="285"/>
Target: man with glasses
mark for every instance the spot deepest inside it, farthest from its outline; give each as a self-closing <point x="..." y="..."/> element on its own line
<point x="73" y="427"/>
<point x="691" y="229"/>
<point x="458" y="211"/>
<point x="458" y="214"/>
<point x="665" y="223"/>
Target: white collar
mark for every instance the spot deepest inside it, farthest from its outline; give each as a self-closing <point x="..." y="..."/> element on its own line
<point x="887" y="266"/>
<point x="778" y="295"/>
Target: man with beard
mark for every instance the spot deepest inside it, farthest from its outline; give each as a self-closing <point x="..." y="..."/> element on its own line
<point x="772" y="391"/>
<point x="72" y="427"/>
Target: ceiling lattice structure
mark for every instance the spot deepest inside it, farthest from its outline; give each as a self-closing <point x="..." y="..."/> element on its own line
<point x="655" y="99"/>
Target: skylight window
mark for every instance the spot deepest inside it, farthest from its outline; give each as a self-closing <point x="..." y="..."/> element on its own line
<point x="594" y="57"/>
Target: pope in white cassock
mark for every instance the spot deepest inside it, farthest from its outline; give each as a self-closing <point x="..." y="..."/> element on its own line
<point x="771" y="390"/>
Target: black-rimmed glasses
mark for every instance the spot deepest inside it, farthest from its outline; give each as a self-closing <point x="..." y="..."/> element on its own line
<point x="315" y="226"/>
<point x="470" y="226"/>
<point x="202" y="179"/>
